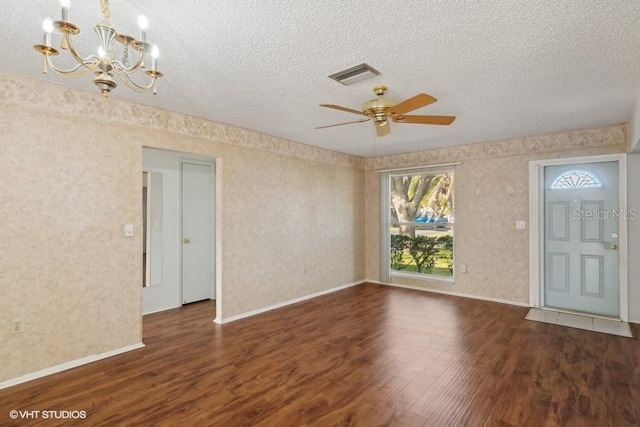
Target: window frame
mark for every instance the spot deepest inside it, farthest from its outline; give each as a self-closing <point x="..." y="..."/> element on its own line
<point x="387" y="222"/>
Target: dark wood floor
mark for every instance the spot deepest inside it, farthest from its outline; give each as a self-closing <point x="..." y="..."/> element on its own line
<point x="365" y="356"/>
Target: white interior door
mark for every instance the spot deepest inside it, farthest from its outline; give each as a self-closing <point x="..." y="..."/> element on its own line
<point x="197" y="232"/>
<point x="581" y="217"/>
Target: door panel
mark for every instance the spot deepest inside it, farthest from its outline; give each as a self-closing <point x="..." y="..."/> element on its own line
<point x="558" y="220"/>
<point x="592" y="275"/>
<point x="197" y="226"/>
<point x="558" y="270"/>
<point x="581" y="231"/>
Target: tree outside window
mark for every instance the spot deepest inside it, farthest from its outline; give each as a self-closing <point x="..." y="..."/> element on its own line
<point x="421" y="226"/>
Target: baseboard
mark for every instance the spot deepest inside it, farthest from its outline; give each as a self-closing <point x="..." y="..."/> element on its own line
<point x="160" y="310"/>
<point x="633" y="321"/>
<point x="68" y="365"/>
<point x="455" y="294"/>
<point x="285" y="303"/>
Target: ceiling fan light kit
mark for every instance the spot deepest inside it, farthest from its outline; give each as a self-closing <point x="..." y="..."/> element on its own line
<point x="104" y="65"/>
<point x="381" y="109"/>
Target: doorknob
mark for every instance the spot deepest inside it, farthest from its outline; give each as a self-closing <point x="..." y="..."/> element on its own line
<point x="186" y="241"/>
<point x="612" y="246"/>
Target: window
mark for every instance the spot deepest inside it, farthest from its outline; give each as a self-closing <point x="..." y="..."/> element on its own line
<point x="421" y="222"/>
<point x="577" y="178"/>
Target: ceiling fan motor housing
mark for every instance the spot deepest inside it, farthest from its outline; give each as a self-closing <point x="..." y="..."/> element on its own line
<point x="376" y="108"/>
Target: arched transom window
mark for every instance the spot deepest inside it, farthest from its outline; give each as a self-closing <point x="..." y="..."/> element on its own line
<point x="576" y="178"/>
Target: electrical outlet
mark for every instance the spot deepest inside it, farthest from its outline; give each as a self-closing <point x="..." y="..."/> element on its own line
<point x="463" y="268"/>
<point x="16" y="326"/>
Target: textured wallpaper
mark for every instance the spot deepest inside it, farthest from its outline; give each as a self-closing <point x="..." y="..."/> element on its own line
<point x="67" y="270"/>
<point x="290" y="219"/>
<point x="491" y="194"/>
<point x="86" y="105"/>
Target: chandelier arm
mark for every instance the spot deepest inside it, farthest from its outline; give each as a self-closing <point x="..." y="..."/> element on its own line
<point x="77" y="71"/>
<point x="122" y="69"/>
<point x="91" y="62"/>
<point x="135" y="86"/>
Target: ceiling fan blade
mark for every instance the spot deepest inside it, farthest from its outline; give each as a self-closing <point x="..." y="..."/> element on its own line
<point x="340" y="124"/>
<point x="337" y="107"/>
<point x="383" y="129"/>
<point x="425" y="120"/>
<point x="410" y="104"/>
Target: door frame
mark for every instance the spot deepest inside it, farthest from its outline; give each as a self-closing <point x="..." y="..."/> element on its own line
<point x="214" y="231"/>
<point x="536" y="226"/>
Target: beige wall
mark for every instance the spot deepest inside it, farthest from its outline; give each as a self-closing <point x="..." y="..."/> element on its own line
<point x="492" y="193"/>
<point x="70" y="179"/>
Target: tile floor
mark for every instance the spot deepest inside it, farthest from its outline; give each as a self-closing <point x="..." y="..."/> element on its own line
<point x="612" y="327"/>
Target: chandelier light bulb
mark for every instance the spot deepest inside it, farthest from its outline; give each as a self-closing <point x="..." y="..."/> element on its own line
<point x="47" y="25"/>
<point x="154" y="57"/>
<point x="102" y="53"/>
<point x="143" y="23"/>
<point x="65" y="9"/>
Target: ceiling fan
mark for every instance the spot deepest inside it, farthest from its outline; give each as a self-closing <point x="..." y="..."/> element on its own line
<point x="381" y="109"/>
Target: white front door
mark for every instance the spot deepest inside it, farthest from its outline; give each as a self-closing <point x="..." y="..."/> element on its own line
<point x="197" y="227"/>
<point x="581" y="216"/>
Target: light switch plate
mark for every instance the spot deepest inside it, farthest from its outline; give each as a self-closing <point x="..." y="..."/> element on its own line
<point x="128" y="230"/>
<point x="521" y="225"/>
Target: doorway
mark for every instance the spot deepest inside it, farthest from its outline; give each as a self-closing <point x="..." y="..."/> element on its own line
<point x="578" y="235"/>
<point x="168" y="183"/>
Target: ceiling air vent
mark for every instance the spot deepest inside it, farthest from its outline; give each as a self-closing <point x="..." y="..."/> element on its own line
<point x="354" y="74"/>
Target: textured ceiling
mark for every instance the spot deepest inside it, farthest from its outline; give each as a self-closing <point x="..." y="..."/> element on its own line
<point x="505" y="68"/>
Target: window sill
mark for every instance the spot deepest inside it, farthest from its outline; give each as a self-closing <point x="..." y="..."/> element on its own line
<point x="423" y="277"/>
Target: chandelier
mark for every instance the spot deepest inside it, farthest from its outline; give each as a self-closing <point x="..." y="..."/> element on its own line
<point x="104" y="64"/>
